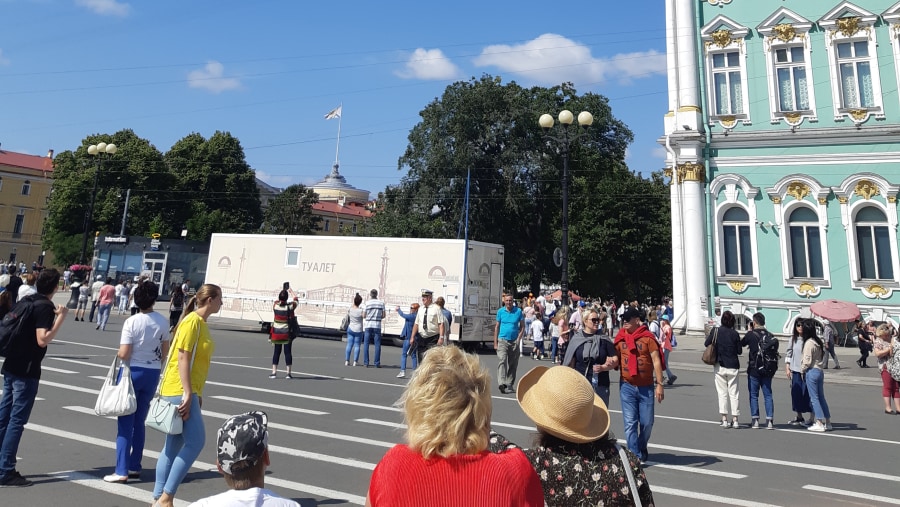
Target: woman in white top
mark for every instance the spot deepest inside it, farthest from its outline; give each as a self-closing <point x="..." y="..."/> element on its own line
<point x="144" y="342"/>
<point x="27" y="288"/>
<point x="811" y="369"/>
<point x="354" y="331"/>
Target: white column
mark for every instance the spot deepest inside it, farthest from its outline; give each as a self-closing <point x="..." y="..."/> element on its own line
<point x="695" y="259"/>
<point x="679" y="296"/>
<point x="688" y="78"/>
<point x="671" y="56"/>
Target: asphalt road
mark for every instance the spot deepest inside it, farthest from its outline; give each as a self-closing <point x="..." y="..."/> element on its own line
<point x="330" y="427"/>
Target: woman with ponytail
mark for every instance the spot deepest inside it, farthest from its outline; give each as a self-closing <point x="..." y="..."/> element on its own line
<point x="183" y="378"/>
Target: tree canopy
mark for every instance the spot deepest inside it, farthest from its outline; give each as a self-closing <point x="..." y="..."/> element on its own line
<point x="203" y="185"/>
<point x="490" y="129"/>
<point x="290" y="212"/>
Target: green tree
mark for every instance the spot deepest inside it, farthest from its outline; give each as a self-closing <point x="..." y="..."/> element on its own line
<point x="136" y="165"/>
<point x="491" y="129"/>
<point x="290" y="212"/>
<point x="216" y="186"/>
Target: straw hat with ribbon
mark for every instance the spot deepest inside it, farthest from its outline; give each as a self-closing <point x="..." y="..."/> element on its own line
<point x="560" y="401"/>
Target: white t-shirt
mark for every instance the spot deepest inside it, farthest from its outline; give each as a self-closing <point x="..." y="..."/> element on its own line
<point x="145" y="332"/>
<point x="253" y="497"/>
<point x="131" y="295"/>
<point x="537" y="330"/>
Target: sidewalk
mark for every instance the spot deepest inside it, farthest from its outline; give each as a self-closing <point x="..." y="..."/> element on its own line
<point x="690" y="347"/>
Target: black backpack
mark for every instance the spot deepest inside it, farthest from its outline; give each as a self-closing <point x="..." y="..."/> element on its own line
<point x="11" y="325"/>
<point x="767" y="357"/>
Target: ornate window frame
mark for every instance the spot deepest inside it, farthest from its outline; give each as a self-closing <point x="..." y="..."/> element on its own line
<point x="786" y="29"/>
<point x="786" y="195"/>
<point x="733" y="186"/>
<point x="866" y="189"/>
<point x="849" y="23"/>
<point x="892" y="19"/>
<point x="720" y="36"/>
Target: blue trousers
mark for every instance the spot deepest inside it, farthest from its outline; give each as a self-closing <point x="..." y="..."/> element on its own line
<point x="815" y="384"/>
<point x="354" y="340"/>
<point x="131" y="434"/>
<point x="754" y="383"/>
<point x="15" y="409"/>
<point x="375" y="335"/>
<point x="638" y="412"/>
<point x="180" y="451"/>
<point x="404" y="353"/>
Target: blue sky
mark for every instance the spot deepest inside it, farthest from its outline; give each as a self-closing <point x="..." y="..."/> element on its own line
<point x="268" y="72"/>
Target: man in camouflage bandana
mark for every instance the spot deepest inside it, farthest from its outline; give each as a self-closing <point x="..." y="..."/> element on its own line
<point x="242" y="455"/>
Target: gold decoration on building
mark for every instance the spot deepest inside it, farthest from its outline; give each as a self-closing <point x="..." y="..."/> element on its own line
<point x="879" y="291"/>
<point x="668" y="172"/>
<point x="784" y="32"/>
<point x="798" y="190"/>
<point x="843" y="200"/>
<point x="807" y="289"/>
<point x="866" y="189"/>
<point x="691" y="171"/>
<point x="737" y="286"/>
<point x="848" y="27"/>
<point x="721" y="38"/>
<point x="823" y="200"/>
<point x="793" y="117"/>
<point x="728" y="121"/>
<point x="776" y="200"/>
<point x="858" y="114"/>
<point x="892" y="199"/>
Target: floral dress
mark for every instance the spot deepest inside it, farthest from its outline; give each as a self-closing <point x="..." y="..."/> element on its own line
<point x="576" y="475"/>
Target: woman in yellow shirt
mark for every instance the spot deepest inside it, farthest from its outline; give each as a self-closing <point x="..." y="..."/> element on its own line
<point x="183" y="378"/>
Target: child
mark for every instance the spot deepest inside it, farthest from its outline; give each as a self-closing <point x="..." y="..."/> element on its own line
<point x="537" y="334"/>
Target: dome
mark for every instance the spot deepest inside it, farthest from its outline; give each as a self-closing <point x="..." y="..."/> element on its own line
<point x="334" y="186"/>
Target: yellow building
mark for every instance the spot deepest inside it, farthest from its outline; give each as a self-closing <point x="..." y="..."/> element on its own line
<point x="343" y="208"/>
<point x="25" y="182"/>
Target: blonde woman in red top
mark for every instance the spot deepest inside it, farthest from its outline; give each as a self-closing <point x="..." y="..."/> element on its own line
<point x="447" y="410"/>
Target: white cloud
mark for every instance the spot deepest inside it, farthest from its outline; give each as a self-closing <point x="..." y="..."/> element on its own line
<point x="659" y="152"/>
<point x="552" y="59"/>
<point x="210" y="78"/>
<point x="106" y="7"/>
<point x="3" y="60"/>
<point x="275" y="181"/>
<point x="428" y="64"/>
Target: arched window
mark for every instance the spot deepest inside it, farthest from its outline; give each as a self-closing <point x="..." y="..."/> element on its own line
<point x="805" y="244"/>
<point x="737" y="244"/>
<point x="873" y="244"/>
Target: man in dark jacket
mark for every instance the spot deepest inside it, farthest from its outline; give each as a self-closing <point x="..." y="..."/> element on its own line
<point x="640" y="365"/>
<point x="22" y="373"/>
<point x="759" y="334"/>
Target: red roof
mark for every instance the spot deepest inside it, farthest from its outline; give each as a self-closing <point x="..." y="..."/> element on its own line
<point x="25" y="161"/>
<point x="351" y="209"/>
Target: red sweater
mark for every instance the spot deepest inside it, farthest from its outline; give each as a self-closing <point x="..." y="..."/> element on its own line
<point x="404" y="478"/>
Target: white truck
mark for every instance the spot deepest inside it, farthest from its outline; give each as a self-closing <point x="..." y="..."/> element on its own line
<point x="326" y="273"/>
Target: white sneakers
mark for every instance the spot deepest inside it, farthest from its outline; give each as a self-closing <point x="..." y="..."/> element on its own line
<point x="402" y="374"/>
<point x="817" y="427"/>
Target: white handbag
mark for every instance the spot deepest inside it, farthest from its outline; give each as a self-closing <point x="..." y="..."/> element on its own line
<point x="163" y="415"/>
<point x="116" y="398"/>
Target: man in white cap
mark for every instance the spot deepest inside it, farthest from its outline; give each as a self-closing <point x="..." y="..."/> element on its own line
<point x="242" y="457"/>
<point x="428" y="330"/>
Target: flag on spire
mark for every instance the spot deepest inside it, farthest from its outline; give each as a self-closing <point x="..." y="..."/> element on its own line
<point x="334" y="113"/>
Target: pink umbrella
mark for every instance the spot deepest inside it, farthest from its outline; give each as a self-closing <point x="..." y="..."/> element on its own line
<point x="835" y="311"/>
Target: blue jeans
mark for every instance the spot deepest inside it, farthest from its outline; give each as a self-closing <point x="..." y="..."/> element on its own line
<point x="554" y="348"/>
<point x="353" y="340"/>
<point x="15" y="409"/>
<point x="130" y="437"/>
<point x="375" y="335"/>
<point x="754" y="383"/>
<point x="103" y="315"/>
<point x="404" y="353"/>
<point x="815" y="384"/>
<point x="669" y="373"/>
<point x="180" y="451"/>
<point x="638" y="411"/>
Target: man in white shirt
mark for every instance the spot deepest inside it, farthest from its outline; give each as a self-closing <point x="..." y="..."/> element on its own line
<point x="575" y="321"/>
<point x="95" y="296"/>
<point x="242" y="457"/>
<point x="373" y="314"/>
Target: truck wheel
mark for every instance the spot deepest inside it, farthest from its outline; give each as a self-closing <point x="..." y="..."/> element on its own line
<point x="265" y="326"/>
<point x="398" y="342"/>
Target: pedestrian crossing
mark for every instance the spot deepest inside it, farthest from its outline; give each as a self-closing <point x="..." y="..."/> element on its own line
<point x="341" y="439"/>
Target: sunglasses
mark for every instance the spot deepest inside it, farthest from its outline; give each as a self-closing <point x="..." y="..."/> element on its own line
<point x="595" y="321"/>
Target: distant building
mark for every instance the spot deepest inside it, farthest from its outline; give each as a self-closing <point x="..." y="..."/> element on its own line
<point x="783" y="138"/>
<point x="25" y="183"/>
<point x="343" y="208"/>
<point x="266" y="193"/>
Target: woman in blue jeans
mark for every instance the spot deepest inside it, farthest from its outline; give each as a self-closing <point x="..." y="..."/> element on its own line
<point x="354" y="331"/>
<point x="811" y="368"/>
<point x="409" y="320"/>
<point x="145" y="339"/>
<point x="183" y="378"/>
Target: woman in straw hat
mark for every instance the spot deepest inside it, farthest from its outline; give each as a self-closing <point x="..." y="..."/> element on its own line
<point x="447" y="410"/>
<point x="578" y="461"/>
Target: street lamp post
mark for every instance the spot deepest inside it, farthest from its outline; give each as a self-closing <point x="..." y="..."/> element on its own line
<point x="95" y="150"/>
<point x="564" y="138"/>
